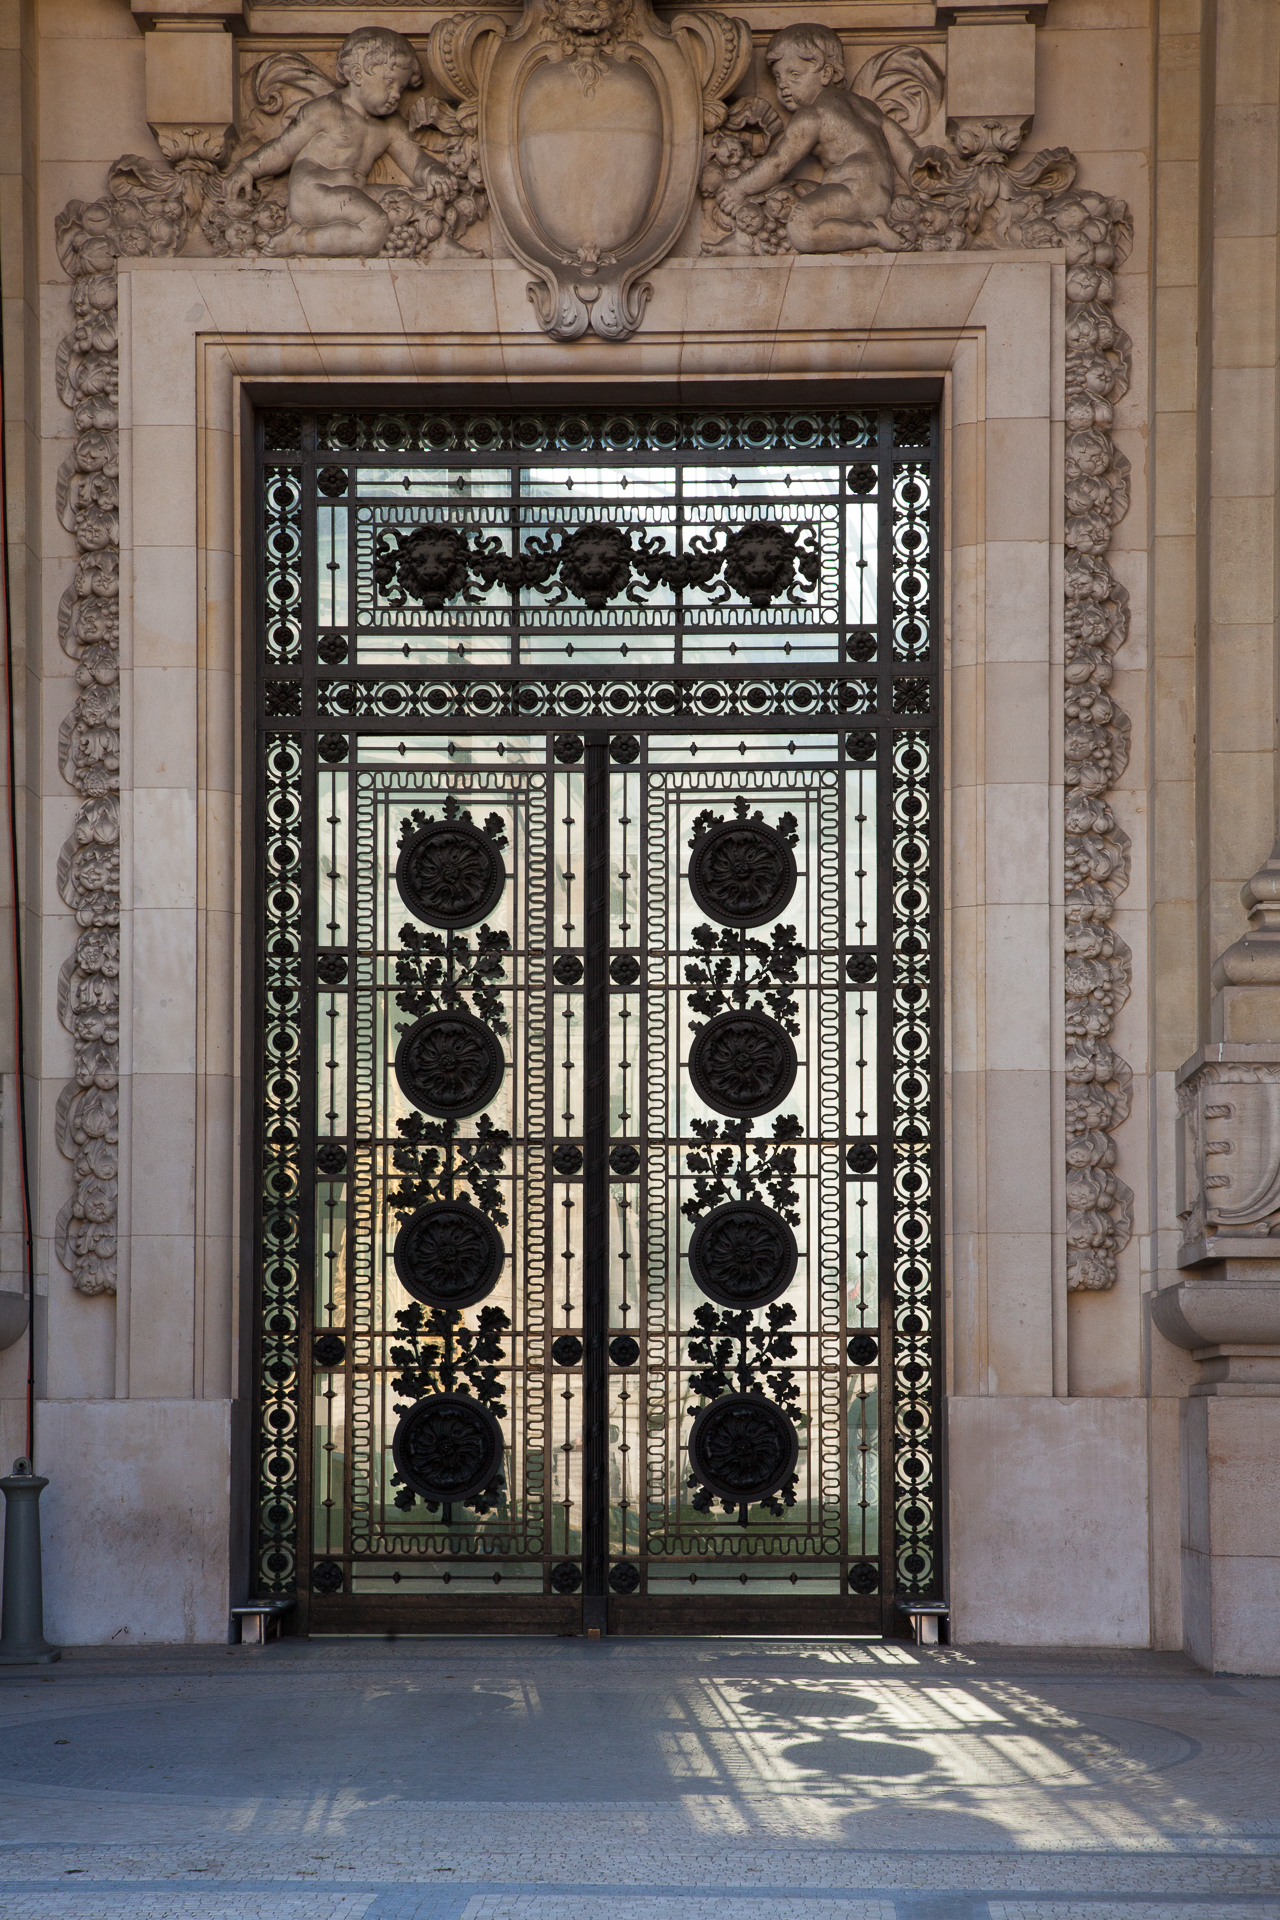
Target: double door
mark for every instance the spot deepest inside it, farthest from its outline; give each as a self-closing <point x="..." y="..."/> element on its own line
<point x="596" y="1092"/>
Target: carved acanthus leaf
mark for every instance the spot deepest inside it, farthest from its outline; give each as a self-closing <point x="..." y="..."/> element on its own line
<point x="905" y="83"/>
<point x="278" y="85"/>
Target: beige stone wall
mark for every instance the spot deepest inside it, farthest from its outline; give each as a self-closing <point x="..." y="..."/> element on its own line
<point x="1171" y="107"/>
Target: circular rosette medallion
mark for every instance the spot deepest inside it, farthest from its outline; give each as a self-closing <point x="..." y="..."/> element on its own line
<point x="742" y="874"/>
<point x="448" y="1447"/>
<point x="742" y="1064"/>
<point x="450" y="874"/>
<point x="743" y="1447"/>
<point x="743" y="1255"/>
<point x="449" y="1064"/>
<point x="449" y="1255"/>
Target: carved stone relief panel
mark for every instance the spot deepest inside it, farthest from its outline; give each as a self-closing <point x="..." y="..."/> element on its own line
<point x="821" y="165"/>
<point x="590" y="117"/>
<point x="1229" y="1153"/>
<point x="344" y="154"/>
<point x="579" y="141"/>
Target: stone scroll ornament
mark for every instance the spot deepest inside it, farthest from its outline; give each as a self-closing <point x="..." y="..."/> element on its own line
<point x="590" y="213"/>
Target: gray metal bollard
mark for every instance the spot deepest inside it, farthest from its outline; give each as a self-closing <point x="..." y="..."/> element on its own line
<point x="22" y="1640"/>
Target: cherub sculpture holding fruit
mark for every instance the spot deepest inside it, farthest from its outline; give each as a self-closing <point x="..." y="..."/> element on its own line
<point x="330" y="146"/>
<point x="863" y="150"/>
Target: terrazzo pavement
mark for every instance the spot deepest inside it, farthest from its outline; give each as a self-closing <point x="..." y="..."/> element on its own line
<point x="722" y="1779"/>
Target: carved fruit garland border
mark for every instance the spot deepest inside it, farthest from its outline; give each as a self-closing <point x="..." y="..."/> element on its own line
<point x="971" y="197"/>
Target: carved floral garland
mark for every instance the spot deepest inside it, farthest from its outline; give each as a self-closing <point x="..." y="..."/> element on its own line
<point x="969" y="198"/>
<point x="87" y="1121"/>
<point x="975" y="198"/>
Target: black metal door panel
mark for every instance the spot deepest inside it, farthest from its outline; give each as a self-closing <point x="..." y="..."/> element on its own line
<point x="597" y="1066"/>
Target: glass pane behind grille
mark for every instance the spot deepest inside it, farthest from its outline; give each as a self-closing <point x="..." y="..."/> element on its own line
<point x="601" y="1004"/>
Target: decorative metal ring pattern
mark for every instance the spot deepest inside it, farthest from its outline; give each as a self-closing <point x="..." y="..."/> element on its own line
<point x="608" y="699"/>
<point x="743" y="1447"/>
<point x="449" y="1065"/>
<point x="449" y="874"/>
<point x="742" y="1064"/>
<point x="449" y="1254"/>
<point x="742" y="873"/>
<point x="448" y="1447"/>
<point x="743" y="1254"/>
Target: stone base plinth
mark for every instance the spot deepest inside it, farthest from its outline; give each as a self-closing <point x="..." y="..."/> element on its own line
<point x="1047" y="1498"/>
<point x="1231" y="1525"/>
<point x="136" y="1520"/>
<point x="1228" y="1316"/>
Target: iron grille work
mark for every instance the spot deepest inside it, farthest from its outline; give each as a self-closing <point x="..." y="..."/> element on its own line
<point x="597" y="1086"/>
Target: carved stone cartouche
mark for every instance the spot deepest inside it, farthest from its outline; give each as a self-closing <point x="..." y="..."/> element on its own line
<point x="1229" y="1152"/>
<point x="591" y="114"/>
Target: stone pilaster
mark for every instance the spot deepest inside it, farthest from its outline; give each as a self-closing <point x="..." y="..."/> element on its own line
<point x="1226" y="1311"/>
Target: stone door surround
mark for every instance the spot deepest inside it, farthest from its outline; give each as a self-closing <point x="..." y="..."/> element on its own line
<point x="200" y="342"/>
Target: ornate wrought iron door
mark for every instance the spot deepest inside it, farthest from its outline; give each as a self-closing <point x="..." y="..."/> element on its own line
<point x="597" y="908"/>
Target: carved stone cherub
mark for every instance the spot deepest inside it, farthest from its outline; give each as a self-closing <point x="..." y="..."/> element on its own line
<point x="859" y="148"/>
<point x="330" y="146"/>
